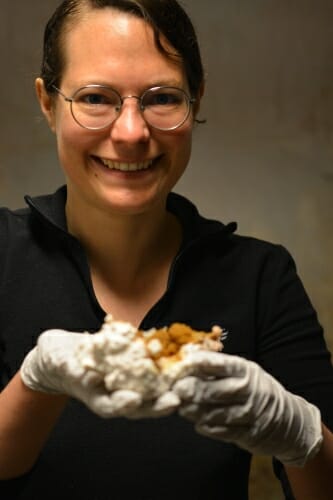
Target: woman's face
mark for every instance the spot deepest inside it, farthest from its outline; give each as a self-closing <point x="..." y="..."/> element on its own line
<point x="116" y="49"/>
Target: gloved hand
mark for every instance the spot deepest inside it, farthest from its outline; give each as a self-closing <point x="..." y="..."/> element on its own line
<point x="235" y="400"/>
<point x="52" y="367"/>
<point x="162" y="406"/>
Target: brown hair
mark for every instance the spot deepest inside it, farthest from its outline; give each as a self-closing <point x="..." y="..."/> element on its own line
<point x="167" y="18"/>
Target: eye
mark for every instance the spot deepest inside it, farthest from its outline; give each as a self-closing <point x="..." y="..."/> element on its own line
<point x="94" y="99"/>
<point x="97" y="97"/>
<point x="163" y="98"/>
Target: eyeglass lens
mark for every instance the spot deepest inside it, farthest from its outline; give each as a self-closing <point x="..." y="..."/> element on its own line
<point x="96" y="107"/>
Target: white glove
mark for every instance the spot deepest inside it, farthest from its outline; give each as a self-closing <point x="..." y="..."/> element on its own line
<point x="235" y="400"/>
<point x="52" y="367"/>
<point x="162" y="406"/>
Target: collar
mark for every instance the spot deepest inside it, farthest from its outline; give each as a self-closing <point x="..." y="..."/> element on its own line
<point x="50" y="209"/>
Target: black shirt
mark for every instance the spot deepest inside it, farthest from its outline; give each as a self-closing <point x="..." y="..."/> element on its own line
<point x="248" y="287"/>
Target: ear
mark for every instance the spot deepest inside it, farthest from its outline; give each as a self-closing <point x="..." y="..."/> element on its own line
<point x="46" y="103"/>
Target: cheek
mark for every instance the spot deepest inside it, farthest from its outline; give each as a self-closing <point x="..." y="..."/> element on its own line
<point x="69" y="134"/>
<point x="182" y="145"/>
<point x="72" y="143"/>
<point x="179" y="146"/>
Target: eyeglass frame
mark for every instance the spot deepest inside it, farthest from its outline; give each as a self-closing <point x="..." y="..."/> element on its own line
<point x="189" y="101"/>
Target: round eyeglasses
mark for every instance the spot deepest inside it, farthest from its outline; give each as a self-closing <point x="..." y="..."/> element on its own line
<point x="95" y="107"/>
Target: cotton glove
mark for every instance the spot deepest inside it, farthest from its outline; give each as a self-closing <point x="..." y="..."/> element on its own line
<point x="162" y="406"/>
<point x="52" y="367"/>
<point x="235" y="400"/>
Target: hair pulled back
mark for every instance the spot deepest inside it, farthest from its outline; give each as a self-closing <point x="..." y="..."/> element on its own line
<point x="166" y="17"/>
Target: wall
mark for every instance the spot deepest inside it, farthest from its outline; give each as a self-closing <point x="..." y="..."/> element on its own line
<point x="264" y="158"/>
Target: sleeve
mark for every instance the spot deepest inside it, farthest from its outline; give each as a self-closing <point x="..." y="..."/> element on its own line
<point x="4" y="372"/>
<point x="291" y="344"/>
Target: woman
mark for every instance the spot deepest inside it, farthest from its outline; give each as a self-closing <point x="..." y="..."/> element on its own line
<point x="120" y="87"/>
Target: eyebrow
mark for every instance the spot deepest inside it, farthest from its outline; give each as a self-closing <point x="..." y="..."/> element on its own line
<point x="152" y="84"/>
<point x="166" y="83"/>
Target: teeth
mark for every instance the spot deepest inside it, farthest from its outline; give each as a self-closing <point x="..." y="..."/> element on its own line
<point x="126" y="167"/>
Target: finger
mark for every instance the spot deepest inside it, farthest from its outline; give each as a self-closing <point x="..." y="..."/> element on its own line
<point x="147" y="411"/>
<point x="116" y="404"/>
<point x="237" y="415"/>
<point x="91" y="379"/>
<point x="58" y="340"/>
<point x="192" y="412"/>
<point x="162" y="406"/>
<point x="167" y="401"/>
<point x="123" y="400"/>
<point x="205" y="363"/>
<point x="217" y="432"/>
<point x="224" y="391"/>
<point x="234" y="434"/>
<point x="187" y="388"/>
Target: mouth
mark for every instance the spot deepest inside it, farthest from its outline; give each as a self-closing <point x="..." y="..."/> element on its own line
<point x="122" y="166"/>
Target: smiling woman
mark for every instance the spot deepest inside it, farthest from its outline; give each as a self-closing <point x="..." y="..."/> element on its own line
<point x="120" y="87"/>
<point x="123" y="132"/>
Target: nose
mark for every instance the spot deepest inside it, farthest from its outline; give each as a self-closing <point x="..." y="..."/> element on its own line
<point x="130" y="125"/>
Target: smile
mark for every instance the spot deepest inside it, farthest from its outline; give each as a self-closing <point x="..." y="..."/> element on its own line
<point x="127" y="166"/>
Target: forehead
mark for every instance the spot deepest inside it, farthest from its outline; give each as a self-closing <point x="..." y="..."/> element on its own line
<point x="107" y="43"/>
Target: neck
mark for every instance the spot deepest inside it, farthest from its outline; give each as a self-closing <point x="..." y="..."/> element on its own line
<point x="125" y="245"/>
<point x="129" y="256"/>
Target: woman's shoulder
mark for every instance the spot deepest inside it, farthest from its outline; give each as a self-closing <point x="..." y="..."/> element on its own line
<point x="260" y="247"/>
<point x="203" y="225"/>
<point x="10" y="218"/>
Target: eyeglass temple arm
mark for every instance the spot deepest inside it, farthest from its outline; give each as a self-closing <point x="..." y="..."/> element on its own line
<point x="68" y="99"/>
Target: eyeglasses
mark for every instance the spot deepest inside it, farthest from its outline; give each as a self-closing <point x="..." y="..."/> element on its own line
<point x="96" y="107"/>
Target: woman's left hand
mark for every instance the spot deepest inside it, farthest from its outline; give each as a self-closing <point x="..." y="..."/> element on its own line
<point x="235" y="400"/>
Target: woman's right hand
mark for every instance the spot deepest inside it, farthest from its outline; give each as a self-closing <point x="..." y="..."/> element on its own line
<point x="52" y="367"/>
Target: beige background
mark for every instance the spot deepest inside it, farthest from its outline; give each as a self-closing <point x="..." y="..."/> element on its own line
<point x="263" y="159"/>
